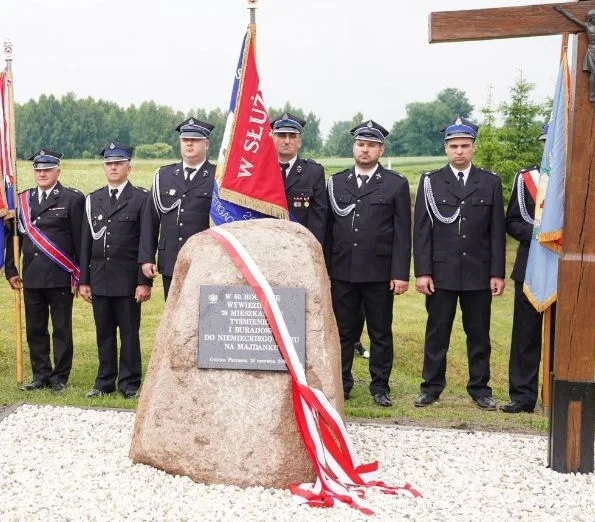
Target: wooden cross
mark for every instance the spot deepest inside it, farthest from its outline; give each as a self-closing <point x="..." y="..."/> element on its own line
<point x="573" y="405"/>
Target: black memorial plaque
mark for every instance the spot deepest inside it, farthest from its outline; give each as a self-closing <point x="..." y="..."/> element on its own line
<point x="234" y="333"/>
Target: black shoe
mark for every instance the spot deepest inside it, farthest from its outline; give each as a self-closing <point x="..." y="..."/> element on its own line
<point x="346" y="395"/>
<point x="382" y="399"/>
<point x="58" y="387"/>
<point x="130" y="394"/>
<point x="424" y="399"/>
<point x="35" y="385"/>
<point x="516" y="407"/>
<point x="359" y="349"/>
<point x="485" y="403"/>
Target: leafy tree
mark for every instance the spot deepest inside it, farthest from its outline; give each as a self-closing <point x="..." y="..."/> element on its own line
<point x="154" y="151"/>
<point x="456" y="101"/>
<point x="339" y="142"/>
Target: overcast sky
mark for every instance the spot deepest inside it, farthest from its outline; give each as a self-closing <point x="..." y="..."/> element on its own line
<point x="333" y="57"/>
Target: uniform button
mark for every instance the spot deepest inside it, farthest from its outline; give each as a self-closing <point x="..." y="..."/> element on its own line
<point x="109" y="220"/>
<point x="107" y="258"/>
<point x="357" y="215"/>
<point x="354" y="244"/>
<point x="481" y="200"/>
<point x="358" y="200"/>
<point x="179" y="239"/>
<point x="464" y="236"/>
<point x="356" y="230"/>
<point x="181" y="224"/>
<point x="109" y="233"/>
<point x="106" y="246"/>
<point x="36" y="253"/>
<point x="181" y="210"/>
<point x="183" y="195"/>
<point x="462" y="202"/>
<point x="443" y="201"/>
<point x="464" y="253"/>
<point x="464" y="219"/>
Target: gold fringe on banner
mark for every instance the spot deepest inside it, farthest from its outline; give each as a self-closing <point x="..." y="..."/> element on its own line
<point x="253" y="203"/>
<point x="538" y="305"/>
<point x="548" y="240"/>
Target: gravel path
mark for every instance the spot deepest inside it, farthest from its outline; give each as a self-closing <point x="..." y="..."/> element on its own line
<point x="59" y="463"/>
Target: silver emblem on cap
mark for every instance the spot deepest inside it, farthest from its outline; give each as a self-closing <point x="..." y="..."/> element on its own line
<point x="191" y="121"/>
<point x="458" y="121"/>
<point x="370" y="124"/>
<point x="112" y="146"/>
<point x="42" y="152"/>
<point x="286" y="116"/>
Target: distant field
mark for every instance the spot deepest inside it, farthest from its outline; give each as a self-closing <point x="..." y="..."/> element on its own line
<point x="454" y="409"/>
<point x="87" y="175"/>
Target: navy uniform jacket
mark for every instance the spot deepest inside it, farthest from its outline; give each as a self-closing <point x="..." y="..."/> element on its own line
<point x="305" y="191"/>
<point x="462" y="255"/>
<point x="373" y="242"/>
<point x="110" y="264"/>
<point x="518" y="228"/>
<point x="168" y="232"/>
<point x="60" y="218"/>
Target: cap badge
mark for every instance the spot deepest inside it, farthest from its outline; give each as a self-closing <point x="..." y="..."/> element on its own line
<point x="286" y="116"/>
<point x="458" y="121"/>
<point x="112" y="146"/>
<point x="42" y="152"/>
<point x="191" y="121"/>
<point x="370" y="124"/>
<point x="298" y="169"/>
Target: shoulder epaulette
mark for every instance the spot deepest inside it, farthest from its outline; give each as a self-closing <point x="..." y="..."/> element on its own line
<point x="395" y="173"/>
<point x="73" y="190"/>
<point x="341" y="172"/>
<point x="314" y="162"/>
<point x="141" y="189"/>
<point x="96" y="190"/>
<point x="488" y="172"/>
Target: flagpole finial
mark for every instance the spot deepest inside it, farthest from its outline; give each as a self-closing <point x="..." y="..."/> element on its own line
<point x="252" y="4"/>
<point x="7" y="49"/>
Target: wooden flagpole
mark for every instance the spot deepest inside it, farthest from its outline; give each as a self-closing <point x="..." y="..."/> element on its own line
<point x="15" y="237"/>
<point x="252" y="6"/>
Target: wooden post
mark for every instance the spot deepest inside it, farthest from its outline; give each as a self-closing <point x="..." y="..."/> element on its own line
<point x="573" y="406"/>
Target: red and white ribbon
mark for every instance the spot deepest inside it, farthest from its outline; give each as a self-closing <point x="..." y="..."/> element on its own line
<point x="340" y="474"/>
<point x="44" y="244"/>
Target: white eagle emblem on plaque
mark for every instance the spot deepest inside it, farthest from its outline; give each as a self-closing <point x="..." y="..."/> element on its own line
<point x="213" y="298"/>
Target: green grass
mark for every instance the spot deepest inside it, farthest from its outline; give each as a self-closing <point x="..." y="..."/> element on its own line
<point x="454" y="409"/>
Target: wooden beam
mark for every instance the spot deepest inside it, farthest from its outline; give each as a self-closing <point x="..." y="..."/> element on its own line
<point x="504" y="22"/>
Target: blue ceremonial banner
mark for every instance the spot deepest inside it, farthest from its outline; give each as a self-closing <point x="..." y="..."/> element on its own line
<point x="248" y="179"/>
<point x="541" y="277"/>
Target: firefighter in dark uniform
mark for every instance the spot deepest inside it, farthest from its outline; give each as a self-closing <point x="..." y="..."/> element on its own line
<point x="56" y="214"/>
<point x="458" y="251"/>
<point x="111" y="278"/>
<point x="525" y="346"/>
<point x="182" y="195"/>
<point x="368" y="251"/>
<point x="305" y="186"/>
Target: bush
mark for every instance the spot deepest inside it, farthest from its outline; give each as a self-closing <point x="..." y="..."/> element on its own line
<point x="154" y="151"/>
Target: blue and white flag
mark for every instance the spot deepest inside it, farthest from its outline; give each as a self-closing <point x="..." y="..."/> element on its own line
<point x="541" y="277"/>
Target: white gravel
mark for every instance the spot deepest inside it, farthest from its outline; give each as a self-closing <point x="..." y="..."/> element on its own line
<point x="60" y="463"/>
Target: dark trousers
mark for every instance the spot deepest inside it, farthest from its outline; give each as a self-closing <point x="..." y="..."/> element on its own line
<point x="525" y="350"/>
<point x="377" y="301"/>
<point x="476" y="310"/>
<point x="166" y="285"/>
<point x="111" y="313"/>
<point x="40" y="304"/>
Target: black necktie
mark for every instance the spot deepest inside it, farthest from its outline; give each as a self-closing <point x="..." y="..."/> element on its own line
<point x="461" y="180"/>
<point x="189" y="171"/>
<point x="284" y="167"/>
<point x="44" y="197"/>
<point x="113" y="199"/>
<point x="364" y="179"/>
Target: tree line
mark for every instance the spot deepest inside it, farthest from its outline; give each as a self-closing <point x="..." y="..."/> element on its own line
<point x="80" y="128"/>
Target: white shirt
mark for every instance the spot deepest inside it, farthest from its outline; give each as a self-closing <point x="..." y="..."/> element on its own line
<point x="365" y="172"/>
<point x="291" y="162"/>
<point x="41" y="191"/>
<point x="196" y="169"/>
<point x="119" y="187"/>
<point x="465" y="173"/>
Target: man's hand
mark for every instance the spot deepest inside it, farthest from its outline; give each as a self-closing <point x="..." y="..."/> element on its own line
<point x="86" y="293"/>
<point x="150" y="271"/>
<point x="15" y="283"/>
<point x="143" y="293"/>
<point x="424" y="285"/>
<point x="497" y="286"/>
<point x="398" y="287"/>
